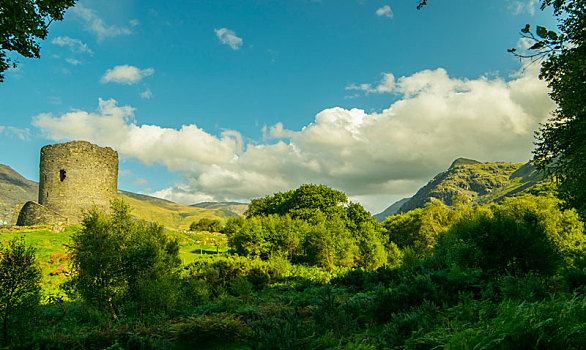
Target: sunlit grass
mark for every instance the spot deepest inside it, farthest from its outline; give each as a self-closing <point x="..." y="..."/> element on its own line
<point x="51" y="249"/>
<point x="193" y="245"/>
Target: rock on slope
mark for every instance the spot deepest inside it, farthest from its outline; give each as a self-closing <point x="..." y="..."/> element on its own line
<point x="230" y="208"/>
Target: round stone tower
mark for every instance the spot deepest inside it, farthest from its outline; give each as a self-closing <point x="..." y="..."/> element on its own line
<point x="75" y="175"/>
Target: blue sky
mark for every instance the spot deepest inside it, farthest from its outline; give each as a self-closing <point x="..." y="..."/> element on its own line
<point x="231" y="100"/>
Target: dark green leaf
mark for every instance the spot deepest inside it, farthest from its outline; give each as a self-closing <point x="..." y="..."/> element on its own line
<point x="538" y="45"/>
<point x="526" y="29"/>
<point x="552" y="35"/>
<point x="542" y="32"/>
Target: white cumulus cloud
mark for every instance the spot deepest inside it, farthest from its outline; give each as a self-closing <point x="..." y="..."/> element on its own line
<point x="386" y="84"/>
<point x="385" y="11"/>
<point x="115" y="126"/>
<point x="126" y="74"/>
<point x="373" y="157"/>
<point x="228" y="37"/>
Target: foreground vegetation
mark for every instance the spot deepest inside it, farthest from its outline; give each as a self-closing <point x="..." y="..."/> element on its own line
<point x="508" y="275"/>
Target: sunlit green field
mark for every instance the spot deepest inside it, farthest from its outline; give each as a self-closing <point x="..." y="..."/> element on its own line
<point x="52" y="254"/>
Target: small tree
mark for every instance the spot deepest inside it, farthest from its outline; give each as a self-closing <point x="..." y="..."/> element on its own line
<point x="420" y="228"/>
<point x="561" y="146"/>
<point x="371" y="247"/>
<point x="205" y="224"/>
<point x="122" y="264"/>
<point x="19" y="283"/>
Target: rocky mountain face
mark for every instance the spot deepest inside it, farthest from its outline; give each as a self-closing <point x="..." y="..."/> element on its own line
<point x="230" y="208"/>
<point x="14" y="189"/>
<point x="471" y="182"/>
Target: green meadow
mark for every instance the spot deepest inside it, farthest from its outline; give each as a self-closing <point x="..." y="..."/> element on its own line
<point x="53" y="255"/>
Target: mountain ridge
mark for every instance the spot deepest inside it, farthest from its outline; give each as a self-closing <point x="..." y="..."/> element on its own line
<point x="391" y="210"/>
<point x="474" y="182"/>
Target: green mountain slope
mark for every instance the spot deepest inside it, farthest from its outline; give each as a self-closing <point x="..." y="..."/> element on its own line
<point x="469" y="181"/>
<point x="16" y="189"/>
<point x="169" y="214"/>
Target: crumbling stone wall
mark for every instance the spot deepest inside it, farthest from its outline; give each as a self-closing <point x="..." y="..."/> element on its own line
<point x="75" y="175"/>
<point x="16" y="213"/>
<point x="32" y="213"/>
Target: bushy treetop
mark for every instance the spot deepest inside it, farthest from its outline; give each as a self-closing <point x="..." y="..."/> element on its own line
<point x="300" y="203"/>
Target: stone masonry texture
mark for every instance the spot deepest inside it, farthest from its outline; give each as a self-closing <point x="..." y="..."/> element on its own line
<point x="75" y="175"/>
<point x="33" y="213"/>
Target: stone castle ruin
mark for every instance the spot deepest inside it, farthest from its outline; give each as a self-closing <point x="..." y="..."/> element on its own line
<point x="73" y="177"/>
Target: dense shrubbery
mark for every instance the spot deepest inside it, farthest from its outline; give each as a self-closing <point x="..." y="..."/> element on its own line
<point x="508" y="275"/>
<point x="420" y="229"/>
<point x="205" y="224"/>
<point x="20" y="278"/>
<point x="520" y="235"/>
<point x="312" y="225"/>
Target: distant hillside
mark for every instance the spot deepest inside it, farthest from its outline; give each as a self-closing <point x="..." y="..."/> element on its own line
<point x="391" y="210"/>
<point x="16" y="189"/>
<point x="230" y="208"/>
<point x="473" y="182"/>
<point x="169" y="214"/>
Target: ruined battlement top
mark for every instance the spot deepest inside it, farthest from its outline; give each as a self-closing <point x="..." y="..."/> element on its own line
<point x="79" y="148"/>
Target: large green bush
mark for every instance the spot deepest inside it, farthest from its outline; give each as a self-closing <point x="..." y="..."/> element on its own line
<point x="520" y="235"/>
<point x="321" y="241"/>
<point x="302" y="203"/>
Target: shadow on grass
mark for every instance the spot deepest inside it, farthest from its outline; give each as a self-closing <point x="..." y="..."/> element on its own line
<point x="207" y="251"/>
